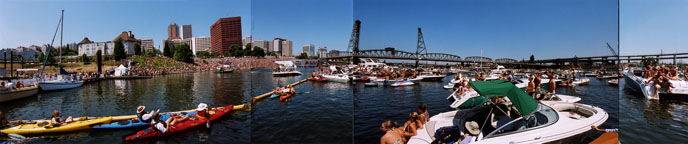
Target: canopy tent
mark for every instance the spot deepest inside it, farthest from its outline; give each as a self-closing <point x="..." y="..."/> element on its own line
<point x="524" y="103"/>
<point x="285" y="63"/>
<point x="121" y="70"/>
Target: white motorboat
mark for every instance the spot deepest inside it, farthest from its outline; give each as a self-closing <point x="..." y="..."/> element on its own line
<point x="613" y="82"/>
<point x="527" y="121"/>
<point x="449" y="86"/>
<point x="402" y="83"/>
<point x="638" y="84"/>
<point x="431" y="77"/>
<point x="500" y="69"/>
<point x="285" y="68"/>
<point x="337" y="77"/>
<point x="12" y="94"/>
<point x="561" y="98"/>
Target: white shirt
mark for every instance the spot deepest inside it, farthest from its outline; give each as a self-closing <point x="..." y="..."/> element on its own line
<point x="159" y="126"/>
<point x="146" y="116"/>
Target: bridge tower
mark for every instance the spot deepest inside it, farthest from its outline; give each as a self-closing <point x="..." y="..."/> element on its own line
<point x="353" y="42"/>
<point x="420" y="46"/>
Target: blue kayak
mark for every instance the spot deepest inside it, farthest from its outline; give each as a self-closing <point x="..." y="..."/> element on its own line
<point x="274" y="96"/>
<point x="132" y="124"/>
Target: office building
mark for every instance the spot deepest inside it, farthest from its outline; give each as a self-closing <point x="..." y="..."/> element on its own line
<point x="201" y="43"/>
<point x="186" y="32"/>
<point x="173" y="31"/>
<point x="224" y="33"/>
<point x="309" y="49"/>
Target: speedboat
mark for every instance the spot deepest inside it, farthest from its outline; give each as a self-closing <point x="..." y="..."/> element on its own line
<point x="523" y="121"/>
<point x="638" y="84"/>
<point x="432" y="77"/>
<point x="402" y="83"/>
<point x="224" y="69"/>
<point x="27" y="90"/>
<point x="449" y="86"/>
<point x="613" y="82"/>
<point x="561" y="98"/>
<point x="336" y="77"/>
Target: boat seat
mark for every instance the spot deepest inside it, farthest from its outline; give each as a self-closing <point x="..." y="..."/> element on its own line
<point x="430" y="128"/>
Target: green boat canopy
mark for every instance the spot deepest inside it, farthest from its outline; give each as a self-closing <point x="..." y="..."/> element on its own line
<point x="522" y="101"/>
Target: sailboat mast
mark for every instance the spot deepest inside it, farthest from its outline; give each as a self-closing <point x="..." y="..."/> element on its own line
<point x="61" y="31"/>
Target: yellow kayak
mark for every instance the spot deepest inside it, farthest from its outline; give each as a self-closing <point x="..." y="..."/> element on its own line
<point x="42" y="127"/>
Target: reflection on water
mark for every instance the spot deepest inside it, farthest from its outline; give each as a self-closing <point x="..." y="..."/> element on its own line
<point x="652" y="121"/>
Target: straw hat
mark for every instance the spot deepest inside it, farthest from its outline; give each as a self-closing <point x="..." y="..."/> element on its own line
<point x="140" y="109"/>
<point x="201" y="106"/>
<point x="473" y="128"/>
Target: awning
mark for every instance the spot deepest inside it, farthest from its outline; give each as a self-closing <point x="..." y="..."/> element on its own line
<point x="285" y="63"/>
<point x="524" y="103"/>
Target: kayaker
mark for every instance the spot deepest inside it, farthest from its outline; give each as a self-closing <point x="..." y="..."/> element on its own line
<point x="277" y="90"/>
<point x="393" y="135"/>
<point x="176" y="118"/>
<point x="286" y="90"/>
<point x="158" y="124"/>
<point x="142" y="115"/>
<point x="202" y="110"/>
<point x="57" y="120"/>
<point x="291" y="90"/>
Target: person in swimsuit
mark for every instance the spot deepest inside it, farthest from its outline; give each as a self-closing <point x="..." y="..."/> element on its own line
<point x="57" y="120"/>
<point x="410" y="126"/>
<point x="530" y="89"/>
<point x="393" y="135"/>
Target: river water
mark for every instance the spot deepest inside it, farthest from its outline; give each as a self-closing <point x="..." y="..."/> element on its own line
<point x="652" y="121"/>
<point x="319" y="113"/>
<point x="374" y="105"/>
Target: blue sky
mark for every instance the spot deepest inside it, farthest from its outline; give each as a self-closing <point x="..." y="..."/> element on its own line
<point x="650" y="27"/>
<point x="318" y="22"/>
<point x="500" y="28"/>
<point x="24" y="23"/>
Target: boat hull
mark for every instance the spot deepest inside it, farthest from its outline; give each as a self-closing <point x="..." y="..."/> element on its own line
<point x="51" y="86"/>
<point x="18" y="94"/>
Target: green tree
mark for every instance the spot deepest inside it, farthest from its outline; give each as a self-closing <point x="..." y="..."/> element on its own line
<point x="137" y="49"/>
<point x="84" y="58"/>
<point x="51" y="58"/>
<point x="303" y="55"/>
<point x="236" y="51"/>
<point x="202" y="53"/>
<point x="532" y="59"/>
<point x="257" y="52"/>
<point x="119" y="50"/>
<point x="183" y="53"/>
<point x="167" y="51"/>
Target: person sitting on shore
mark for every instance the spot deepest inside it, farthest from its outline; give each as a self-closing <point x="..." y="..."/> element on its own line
<point x="57" y="120"/>
<point x="393" y="134"/>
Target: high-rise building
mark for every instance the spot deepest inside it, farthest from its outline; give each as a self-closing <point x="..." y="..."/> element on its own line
<point x="309" y="49"/>
<point x="147" y="44"/>
<point x="173" y="31"/>
<point x="186" y="32"/>
<point x="322" y="51"/>
<point x="265" y="45"/>
<point x="282" y="47"/>
<point x="224" y="33"/>
<point x="201" y="43"/>
<point x="245" y="40"/>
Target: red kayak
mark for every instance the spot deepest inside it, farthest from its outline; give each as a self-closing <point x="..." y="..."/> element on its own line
<point x="286" y="96"/>
<point x="193" y="121"/>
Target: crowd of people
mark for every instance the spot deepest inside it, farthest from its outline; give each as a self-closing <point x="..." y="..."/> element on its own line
<point x="659" y="76"/>
<point x="396" y="134"/>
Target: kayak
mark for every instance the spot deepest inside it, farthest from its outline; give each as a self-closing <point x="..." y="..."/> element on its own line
<point x="45" y="127"/>
<point x="286" y="96"/>
<point x="274" y="95"/>
<point x="318" y="79"/>
<point x="132" y="123"/>
<point x="193" y="121"/>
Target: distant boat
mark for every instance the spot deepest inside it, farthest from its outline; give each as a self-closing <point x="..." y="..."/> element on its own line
<point x="285" y="68"/>
<point x="224" y="69"/>
<point x="13" y="94"/>
<point x="64" y="81"/>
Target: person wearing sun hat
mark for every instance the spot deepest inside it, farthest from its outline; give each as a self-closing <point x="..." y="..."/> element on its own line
<point x="142" y="115"/>
<point x="202" y="110"/>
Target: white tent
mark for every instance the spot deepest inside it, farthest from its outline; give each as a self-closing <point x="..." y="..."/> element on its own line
<point x="121" y="70"/>
<point x="285" y="63"/>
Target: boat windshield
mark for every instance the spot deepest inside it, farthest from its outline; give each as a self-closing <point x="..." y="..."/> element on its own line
<point x="543" y="116"/>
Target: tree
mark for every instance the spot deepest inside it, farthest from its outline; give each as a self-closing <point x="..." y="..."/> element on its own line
<point x="236" y="51"/>
<point x="257" y="52"/>
<point x="167" y="51"/>
<point x="119" y="50"/>
<point x="303" y="55"/>
<point x="532" y="59"/>
<point x="84" y="58"/>
<point x="183" y="53"/>
<point x="202" y="53"/>
<point x="137" y="49"/>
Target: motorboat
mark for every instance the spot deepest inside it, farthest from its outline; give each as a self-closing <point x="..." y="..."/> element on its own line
<point x="449" y="86"/>
<point x="224" y="69"/>
<point x="9" y="94"/>
<point x="561" y="98"/>
<point x="580" y="81"/>
<point x="431" y="77"/>
<point x="613" y="82"/>
<point x="500" y="69"/>
<point x="523" y="121"/>
<point x="336" y="75"/>
<point x="638" y="84"/>
<point x="402" y="83"/>
<point x="285" y="68"/>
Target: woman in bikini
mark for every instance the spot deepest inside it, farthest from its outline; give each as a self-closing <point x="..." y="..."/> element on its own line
<point x="393" y="135"/>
